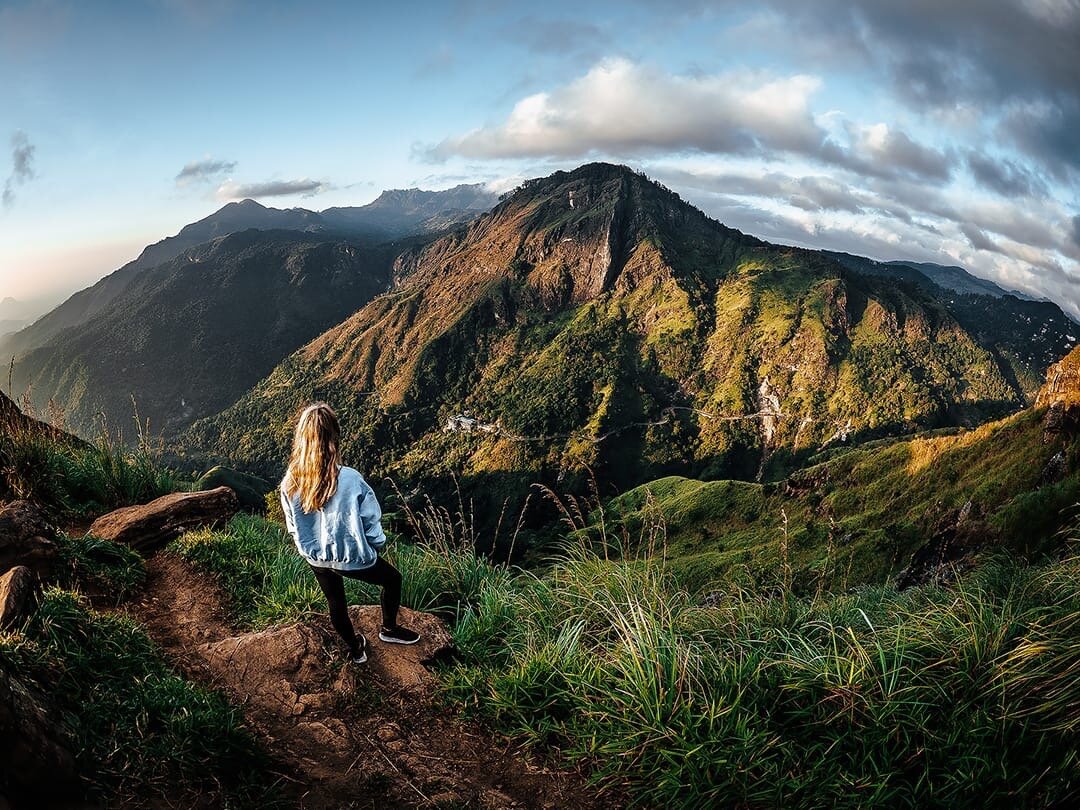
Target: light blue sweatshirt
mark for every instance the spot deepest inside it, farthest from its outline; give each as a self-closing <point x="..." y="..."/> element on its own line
<point x="346" y="534"/>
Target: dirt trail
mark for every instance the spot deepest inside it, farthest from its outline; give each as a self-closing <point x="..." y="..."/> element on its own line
<point x="341" y="735"/>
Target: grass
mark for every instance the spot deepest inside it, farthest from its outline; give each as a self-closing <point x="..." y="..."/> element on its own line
<point x="742" y="696"/>
<point x="78" y="478"/>
<point x="856" y="518"/>
<point x="139" y="731"/>
<point x="927" y="697"/>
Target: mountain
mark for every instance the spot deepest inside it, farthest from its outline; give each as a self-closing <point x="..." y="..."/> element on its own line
<point x="949" y="277"/>
<point x="1025" y="335"/>
<point x="394" y="214"/>
<point x="595" y="318"/>
<point x="908" y="510"/>
<point x="401" y="211"/>
<point x="189" y="336"/>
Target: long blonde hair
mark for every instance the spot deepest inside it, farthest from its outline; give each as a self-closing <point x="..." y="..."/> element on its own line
<point x="315" y="458"/>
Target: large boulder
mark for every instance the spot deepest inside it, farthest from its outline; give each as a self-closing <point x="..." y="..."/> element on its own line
<point x="150" y="526"/>
<point x="287" y="669"/>
<point x="37" y="763"/>
<point x="26" y="538"/>
<point x="18" y="590"/>
<point x="250" y="489"/>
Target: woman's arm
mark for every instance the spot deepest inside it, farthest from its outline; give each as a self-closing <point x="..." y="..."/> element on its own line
<point x="371" y="518"/>
<point x="286" y="507"/>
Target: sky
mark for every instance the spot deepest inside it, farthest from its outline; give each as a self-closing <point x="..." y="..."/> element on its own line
<point x="931" y="130"/>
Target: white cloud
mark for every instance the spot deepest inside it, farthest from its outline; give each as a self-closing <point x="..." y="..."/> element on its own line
<point x="271" y="188"/>
<point x="626" y="108"/>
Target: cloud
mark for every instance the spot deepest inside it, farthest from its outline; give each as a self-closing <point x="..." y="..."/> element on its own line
<point x="628" y="109"/>
<point x="1003" y="176"/>
<point x="561" y="37"/>
<point x="201" y="171"/>
<point x="22" y="166"/>
<point x="978" y="239"/>
<point x="884" y="151"/>
<point x="1021" y="57"/>
<point x="1076" y="230"/>
<point x="272" y="188"/>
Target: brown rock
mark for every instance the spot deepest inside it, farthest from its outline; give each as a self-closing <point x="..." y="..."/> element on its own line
<point x="37" y="760"/>
<point x="403" y="666"/>
<point x="26" y="538"/>
<point x="150" y="526"/>
<point x="273" y="668"/>
<point x="18" y="590"/>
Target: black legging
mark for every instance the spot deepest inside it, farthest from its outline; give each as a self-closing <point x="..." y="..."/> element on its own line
<point x="381" y="573"/>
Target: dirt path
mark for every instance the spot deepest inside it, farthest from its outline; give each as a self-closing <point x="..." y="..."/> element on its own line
<point x="341" y="735"/>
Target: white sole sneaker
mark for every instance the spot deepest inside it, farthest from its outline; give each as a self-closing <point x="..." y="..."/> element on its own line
<point x="392" y="640"/>
<point x="359" y="659"/>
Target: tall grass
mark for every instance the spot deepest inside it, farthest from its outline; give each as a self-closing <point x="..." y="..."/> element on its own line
<point x="960" y="697"/>
<point x="140" y="732"/>
<point x="927" y="697"/>
<point x="75" y="477"/>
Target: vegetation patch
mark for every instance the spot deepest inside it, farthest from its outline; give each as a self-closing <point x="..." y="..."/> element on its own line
<point x="139" y="729"/>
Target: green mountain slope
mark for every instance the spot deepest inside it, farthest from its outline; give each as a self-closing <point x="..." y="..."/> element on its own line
<point x="593" y="317"/>
<point x="188" y="337"/>
<point x="899" y="509"/>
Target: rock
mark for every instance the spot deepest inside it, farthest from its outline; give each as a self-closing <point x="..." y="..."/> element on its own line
<point x="273" y="668"/>
<point x="250" y="489"/>
<point x="298" y="668"/>
<point x="1055" y="470"/>
<point x="150" y="526"/>
<point x="403" y="666"/>
<point x="18" y="590"/>
<point x="37" y="761"/>
<point x="26" y="538"/>
<point x="1060" y="396"/>
<point x="956" y="536"/>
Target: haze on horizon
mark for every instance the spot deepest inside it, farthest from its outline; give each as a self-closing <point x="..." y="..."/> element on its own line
<point x="902" y="129"/>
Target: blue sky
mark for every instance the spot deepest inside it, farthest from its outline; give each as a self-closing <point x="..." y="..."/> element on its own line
<point x="916" y="129"/>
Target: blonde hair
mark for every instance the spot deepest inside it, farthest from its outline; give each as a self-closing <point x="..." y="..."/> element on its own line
<point x="315" y="458"/>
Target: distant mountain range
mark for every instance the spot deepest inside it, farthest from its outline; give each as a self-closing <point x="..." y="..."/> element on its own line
<point x="393" y="214"/>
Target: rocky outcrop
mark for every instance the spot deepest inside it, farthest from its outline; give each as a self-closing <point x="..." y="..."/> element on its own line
<point x="287" y="669"/>
<point x="18" y="590"/>
<point x="26" y="538"/>
<point x="150" y="526"/>
<point x="13" y="420"/>
<point x="1060" y="395"/>
<point x="37" y="764"/>
<point x="958" y="534"/>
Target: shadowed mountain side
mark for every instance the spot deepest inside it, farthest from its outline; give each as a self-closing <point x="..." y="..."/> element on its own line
<point x="593" y="317"/>
<point x="393" y="214"/>
<point x="190" y="336"/>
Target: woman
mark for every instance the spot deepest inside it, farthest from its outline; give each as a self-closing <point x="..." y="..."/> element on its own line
<point x="334" y="518"/>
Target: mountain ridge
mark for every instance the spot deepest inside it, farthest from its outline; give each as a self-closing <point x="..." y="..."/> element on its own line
<point x="595" y="318"/>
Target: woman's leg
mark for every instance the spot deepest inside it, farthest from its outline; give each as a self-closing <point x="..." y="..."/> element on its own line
<point x="333" y="586"/>
<point x="384" y="574"/>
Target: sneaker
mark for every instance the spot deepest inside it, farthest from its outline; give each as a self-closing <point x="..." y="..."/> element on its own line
<point x="398" y="635"/>
<point x="360" y="656"/>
